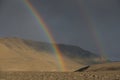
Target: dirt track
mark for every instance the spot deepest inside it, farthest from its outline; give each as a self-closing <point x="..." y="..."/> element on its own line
<point x="60" y="75"/>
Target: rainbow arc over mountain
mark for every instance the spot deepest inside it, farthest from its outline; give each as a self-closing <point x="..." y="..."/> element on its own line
<point x="89" y="22"/>
<point x="44" y="26"/>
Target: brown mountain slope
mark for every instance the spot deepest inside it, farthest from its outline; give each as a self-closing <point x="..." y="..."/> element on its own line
<point x="25" y="55"/>
<point x="111" y="66"/>
<point x="75" y="53"/>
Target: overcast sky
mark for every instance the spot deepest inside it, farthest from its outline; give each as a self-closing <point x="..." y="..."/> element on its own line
<point x="93" y="25"/>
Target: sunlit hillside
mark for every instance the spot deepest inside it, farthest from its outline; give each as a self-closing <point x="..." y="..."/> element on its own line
<point x="25" y="55"/>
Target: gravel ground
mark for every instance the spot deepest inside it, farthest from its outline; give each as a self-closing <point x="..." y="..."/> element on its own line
<point x="109" y="75"/>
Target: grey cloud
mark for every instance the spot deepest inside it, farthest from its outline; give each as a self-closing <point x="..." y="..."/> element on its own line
<point x="17" y="20"/>
<point x="68" y="20"/>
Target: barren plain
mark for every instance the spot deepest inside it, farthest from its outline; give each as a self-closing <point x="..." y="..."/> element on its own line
<point x="107" y="75"/>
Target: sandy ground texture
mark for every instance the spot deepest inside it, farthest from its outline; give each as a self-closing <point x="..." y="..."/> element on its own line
<point x="110" y="75"/>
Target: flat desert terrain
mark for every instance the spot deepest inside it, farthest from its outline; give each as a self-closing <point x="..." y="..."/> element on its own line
<point x="107" y="75"/>
<point x="105" y="71"/>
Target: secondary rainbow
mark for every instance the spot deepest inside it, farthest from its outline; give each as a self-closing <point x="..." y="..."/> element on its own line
<point x="43" y="25"/>
<point x="91" y="24"/>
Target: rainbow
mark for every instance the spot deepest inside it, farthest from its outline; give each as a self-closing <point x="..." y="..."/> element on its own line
<point x="43" y="25"/>
<point x="91" y="24"/>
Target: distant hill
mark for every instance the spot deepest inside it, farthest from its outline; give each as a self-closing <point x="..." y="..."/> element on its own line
<point x="109" y="66"/>
<point x="25" y="55"/>
<point x="75" y="53"/>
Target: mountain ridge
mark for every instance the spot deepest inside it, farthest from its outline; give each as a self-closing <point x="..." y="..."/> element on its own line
<point x="27" y="55"/>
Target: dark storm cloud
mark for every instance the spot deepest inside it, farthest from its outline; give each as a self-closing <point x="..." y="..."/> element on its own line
<point x="59" y="12"/>
<point x="106" y="14"/>
<point x="16" y="20"/>
<point x="1" y="3"/>
<point x="104" y="9"/>
<point x="68" y="20"/>
<point x="65" y="21"/>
